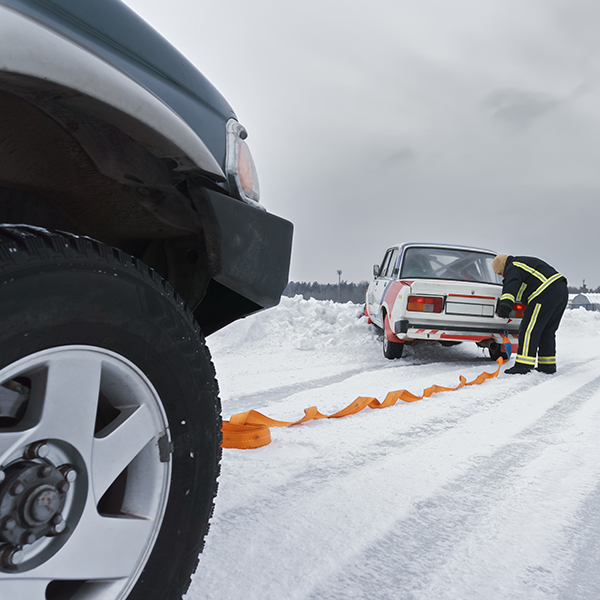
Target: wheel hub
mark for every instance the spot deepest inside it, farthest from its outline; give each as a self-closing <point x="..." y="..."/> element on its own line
<point x="43" y="504"/>
<point x="33" y="494"/>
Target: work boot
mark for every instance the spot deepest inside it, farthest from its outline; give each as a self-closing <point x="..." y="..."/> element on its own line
<point x="518" y="369"/>
<point x="549" y="369"/>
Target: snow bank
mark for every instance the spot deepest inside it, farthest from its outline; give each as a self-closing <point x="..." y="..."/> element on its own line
<point x="284" y="348"/>
<point x="298" y="323"/>
<point x="580" y="322"/>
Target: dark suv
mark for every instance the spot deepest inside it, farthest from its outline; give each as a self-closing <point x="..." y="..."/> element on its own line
<point x="131" y="227"/>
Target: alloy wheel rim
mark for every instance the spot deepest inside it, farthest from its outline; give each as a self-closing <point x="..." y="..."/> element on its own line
<point x="84" y="479"/>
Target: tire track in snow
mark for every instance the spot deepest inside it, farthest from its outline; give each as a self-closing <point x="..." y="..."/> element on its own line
<point x="400" y="428"/>
<point x="417" y="548"/>
<point x="268" y="397"/>
<point x="427" y="369"/>
<point x="301" y="524"/>
<point x="582" y="582"/>
<point x="522" y="548"/>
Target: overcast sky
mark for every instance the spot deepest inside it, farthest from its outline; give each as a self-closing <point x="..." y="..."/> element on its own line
<point x="384" y="121"/>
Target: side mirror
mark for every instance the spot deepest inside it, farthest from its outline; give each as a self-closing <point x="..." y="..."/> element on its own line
<point x="376" y="271"/>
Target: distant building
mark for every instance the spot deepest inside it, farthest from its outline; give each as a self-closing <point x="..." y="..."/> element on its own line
<point x="587" y="301"/>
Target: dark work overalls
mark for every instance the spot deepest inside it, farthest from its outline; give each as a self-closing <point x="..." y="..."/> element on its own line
<point x="544" y="290"/>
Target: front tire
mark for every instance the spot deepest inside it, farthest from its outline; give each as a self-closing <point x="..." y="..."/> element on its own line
<point x="109" y="425"/>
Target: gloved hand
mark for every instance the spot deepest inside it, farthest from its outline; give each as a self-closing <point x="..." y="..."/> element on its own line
<point x="503" y="311"/>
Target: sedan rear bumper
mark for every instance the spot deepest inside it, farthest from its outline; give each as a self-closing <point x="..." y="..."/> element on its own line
<point x="406" y="330"/>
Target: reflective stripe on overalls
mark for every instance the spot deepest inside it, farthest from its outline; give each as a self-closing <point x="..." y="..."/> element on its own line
<point x="546" y="281"/>
<point x="524" y="356"/>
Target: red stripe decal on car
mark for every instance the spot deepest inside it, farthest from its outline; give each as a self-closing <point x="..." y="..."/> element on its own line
<point x="391" y="294"/>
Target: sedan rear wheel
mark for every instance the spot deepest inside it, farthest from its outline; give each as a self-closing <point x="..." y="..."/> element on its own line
<point x="391" y="349"/>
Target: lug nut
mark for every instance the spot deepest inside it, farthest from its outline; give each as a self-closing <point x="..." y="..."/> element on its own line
<point x="68" y="472"/>
<point x="11" y="556"/>
<point x="17" y="488"/>
<point x="63" y="486"/>
<point x="2" y="476"/>
<point x="37" y="450"/>
<point x="60" y="527"/>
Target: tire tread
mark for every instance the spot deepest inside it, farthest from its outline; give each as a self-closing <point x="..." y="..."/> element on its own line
<point x="23" y="245"/>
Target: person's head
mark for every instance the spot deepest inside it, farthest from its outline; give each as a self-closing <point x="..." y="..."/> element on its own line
<point x="499" y="263"/>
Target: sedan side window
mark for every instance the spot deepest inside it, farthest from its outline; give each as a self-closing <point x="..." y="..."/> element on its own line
<point x="392" y="270"/>
<point x="392" y="258"/>
<point x="385" y="263"/>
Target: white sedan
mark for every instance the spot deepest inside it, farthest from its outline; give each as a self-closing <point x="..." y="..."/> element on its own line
<point x="446" y="294"/>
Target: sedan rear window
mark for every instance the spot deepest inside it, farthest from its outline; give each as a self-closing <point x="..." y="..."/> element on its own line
<point x="448" y="263"/>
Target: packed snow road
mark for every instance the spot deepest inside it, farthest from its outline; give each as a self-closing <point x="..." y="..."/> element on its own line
<point x="488" y="492"/>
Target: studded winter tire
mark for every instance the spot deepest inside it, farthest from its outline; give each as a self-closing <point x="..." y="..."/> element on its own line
<point x="109" y="425"/>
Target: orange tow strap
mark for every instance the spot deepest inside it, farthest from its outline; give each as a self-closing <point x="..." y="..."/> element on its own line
<point x="251" y="429"/>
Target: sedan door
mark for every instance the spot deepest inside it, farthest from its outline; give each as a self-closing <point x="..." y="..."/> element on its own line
<point x="378" y="287"/>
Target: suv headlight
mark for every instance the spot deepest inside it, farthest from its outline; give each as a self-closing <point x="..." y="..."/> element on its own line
<point x="241" y="172"/>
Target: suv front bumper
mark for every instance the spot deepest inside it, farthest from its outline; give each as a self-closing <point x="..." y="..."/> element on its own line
<point x="254" y="249"/>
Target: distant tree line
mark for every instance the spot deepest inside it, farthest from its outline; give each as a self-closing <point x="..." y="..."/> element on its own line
<point x="583" y="290"/>
<point x="344" y="292"/>
<point x="355" y="292"/>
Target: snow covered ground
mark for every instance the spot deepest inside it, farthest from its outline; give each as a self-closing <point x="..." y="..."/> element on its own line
<point x="489" y="492"/>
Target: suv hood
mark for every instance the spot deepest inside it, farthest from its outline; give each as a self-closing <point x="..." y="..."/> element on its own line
<point x="113" y="31"/>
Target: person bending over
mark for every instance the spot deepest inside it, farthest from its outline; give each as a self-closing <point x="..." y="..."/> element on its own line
<point x="544" y="290"/>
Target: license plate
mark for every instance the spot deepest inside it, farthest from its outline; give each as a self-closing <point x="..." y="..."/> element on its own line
<point x="473" y="310"/>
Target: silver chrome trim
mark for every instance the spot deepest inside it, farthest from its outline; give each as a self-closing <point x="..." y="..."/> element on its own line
<point x="30" y="49"/>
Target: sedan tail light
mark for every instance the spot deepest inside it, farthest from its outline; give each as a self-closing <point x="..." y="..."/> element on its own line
<point x="518" y="310"/>
<point x="425" y="304"/>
